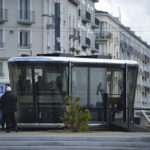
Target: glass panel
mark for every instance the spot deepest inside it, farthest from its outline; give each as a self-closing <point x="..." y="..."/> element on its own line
<point x="24" y="9"/>
<point x="80" y="84"/>
<point x="1" y="11"/>
<point x="25" y="39"/>
<point x="98" y="86"/>
<point x="98" y="89"/>
<point x="21" y="81"/>
<point x="115" y="94"/>
<point x="1" y="38"/>
<point x="51" y="87"/>
<point x="131" y="87"/>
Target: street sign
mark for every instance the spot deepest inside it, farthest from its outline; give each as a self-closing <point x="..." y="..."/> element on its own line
<point x="1" y="89"/>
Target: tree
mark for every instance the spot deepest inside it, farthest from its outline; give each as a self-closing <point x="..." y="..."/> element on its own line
<point x="75" y="117"/>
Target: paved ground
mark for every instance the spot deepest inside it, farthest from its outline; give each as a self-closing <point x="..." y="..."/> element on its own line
<point x="63" y="140"/>
<point x="65" y="132"/>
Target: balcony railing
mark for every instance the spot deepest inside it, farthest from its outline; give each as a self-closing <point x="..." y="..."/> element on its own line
<point x="3" y="15"/>
<point x="86" y="42"/>
<point x="24" y="46"/>
<point x="86" y="17"/>
<point x="126" y="47"/>
<point x="103" y="36"/>
<point x="95" y="0"/>
<point x="26" y="17"/>
<point x="95" y="48"/>
<point x="75" y="2"/>
<point x="73" y="33"/>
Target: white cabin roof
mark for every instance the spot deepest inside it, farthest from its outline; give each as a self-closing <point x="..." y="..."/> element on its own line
<point x="72" y="59"/>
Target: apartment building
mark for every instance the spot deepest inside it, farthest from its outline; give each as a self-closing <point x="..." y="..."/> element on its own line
<point x="133" y="47"/>
<point x="87" y="25"/>
<point x="122" y="43"/>
<point x="109" y="34"/>
<point x="45" y="26"/>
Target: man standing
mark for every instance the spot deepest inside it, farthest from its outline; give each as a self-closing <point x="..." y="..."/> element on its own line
<point x="9" y="104"/>
<point x="3" y="118"/>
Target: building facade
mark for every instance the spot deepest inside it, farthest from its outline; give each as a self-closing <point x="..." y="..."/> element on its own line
<point x="108" y="34"/>
<point x="69" y="26"/>
<point x="134" y="48"/>
<point x="124" y="44"/>
<point x="45" y="26"/>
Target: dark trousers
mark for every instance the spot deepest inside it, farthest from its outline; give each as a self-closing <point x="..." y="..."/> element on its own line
<point x="3" y="119"/>
<point x="10" y="121"/>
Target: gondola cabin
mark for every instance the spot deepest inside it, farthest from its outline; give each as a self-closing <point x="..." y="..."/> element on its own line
<point x="42" y="82"/>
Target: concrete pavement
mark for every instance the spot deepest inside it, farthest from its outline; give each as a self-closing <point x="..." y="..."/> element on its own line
<point x="59" y="140"/>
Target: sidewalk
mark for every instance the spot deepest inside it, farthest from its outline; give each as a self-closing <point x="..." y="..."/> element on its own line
<point x="65" y="132"/>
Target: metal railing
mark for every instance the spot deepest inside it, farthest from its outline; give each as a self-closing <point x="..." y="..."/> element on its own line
<point x="27" y="17"/>
<point x="24" y="46"/>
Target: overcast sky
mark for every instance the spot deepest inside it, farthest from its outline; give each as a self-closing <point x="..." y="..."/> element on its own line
<point x="134" y="14"/>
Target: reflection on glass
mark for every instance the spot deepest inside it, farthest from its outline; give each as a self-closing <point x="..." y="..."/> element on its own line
<point x="115" y="94"/>
<point x="80" y="83"/>
<point x="44" y="102"/>
<point x="22" y="86"/>
<point x="98" y="80"/>
<point x="51" y="87"/>
<point x="131" y="86"/>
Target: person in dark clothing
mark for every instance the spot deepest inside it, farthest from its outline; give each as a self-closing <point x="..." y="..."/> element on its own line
<point x="9" y="100"/>
<point x="3" y="118"/>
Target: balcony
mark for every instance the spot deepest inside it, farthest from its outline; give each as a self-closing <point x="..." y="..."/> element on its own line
<point x="95" y="1"/>
<point x="95" y="23"/>
<point x="75" y="2"/>
<point x="86" y="42"/>
<point x="24" y="46"/>
<point x="126" y="47"/>
<point x="3" y="15"/>
<point x="72" y="48"/>
<point x="26" y="17"/>
<point x="146" y="59"/>
<point x="95" y="48"/>
<point x="51" y="22"/>
<point x="73" y="33"/>
<point x="103" y="36"/>
<point x="86" y="17"/>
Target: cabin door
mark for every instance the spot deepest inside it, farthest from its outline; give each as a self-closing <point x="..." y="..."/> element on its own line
<point x="50" y="84"/>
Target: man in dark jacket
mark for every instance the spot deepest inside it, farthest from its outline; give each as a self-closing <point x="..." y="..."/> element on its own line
<point x="3" y="118"/>
<point x="9" y="104"/>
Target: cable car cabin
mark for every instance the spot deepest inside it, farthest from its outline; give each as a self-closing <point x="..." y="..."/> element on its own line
<point x="105" y="86"/>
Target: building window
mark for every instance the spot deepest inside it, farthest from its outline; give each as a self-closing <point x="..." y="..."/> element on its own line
<point x="25" y="10"/>
<point x="25" y="39"/>
<point x="1" y="7"/>
<point x="1" y="39"/>
<point x="1" y="69"/>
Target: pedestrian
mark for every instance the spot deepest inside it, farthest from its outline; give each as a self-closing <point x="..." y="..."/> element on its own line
<point x="3" y="118"/>
<point x="9" y="100"/>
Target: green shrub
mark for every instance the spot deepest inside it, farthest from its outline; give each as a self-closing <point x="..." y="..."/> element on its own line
<point x="75" y="117"/>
